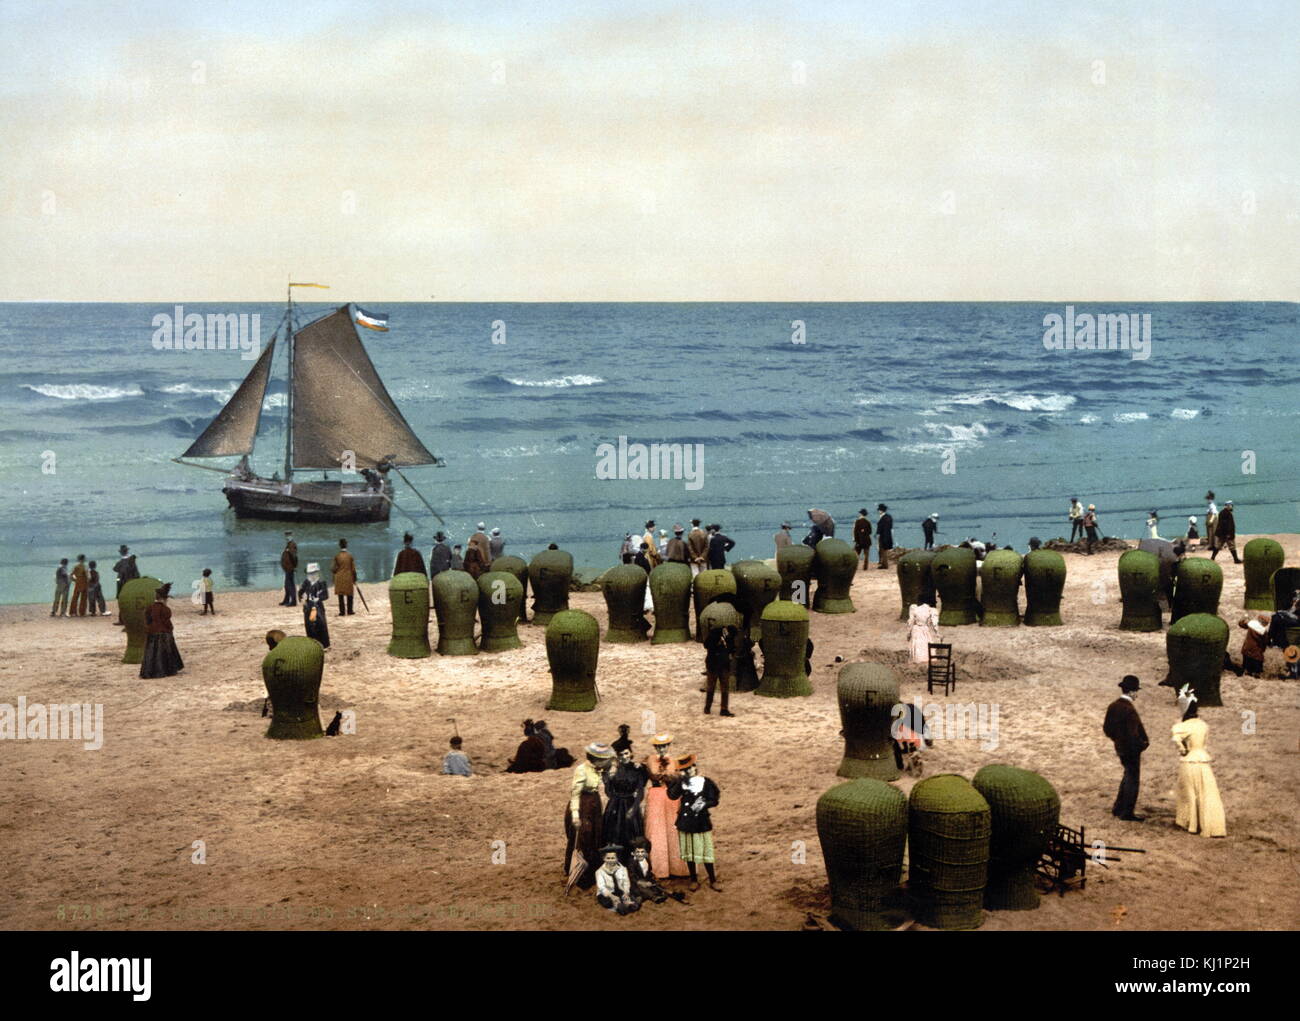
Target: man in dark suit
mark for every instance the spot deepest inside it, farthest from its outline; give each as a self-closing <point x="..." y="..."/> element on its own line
<point x="1225" y="533"/>
<point x="884" y="534"/>
<point x="862" y="537"/>
<point x="289" y="564"/>
<point x="1124" y="727"/>
<point x="439" y="556"/>
<point x="719" y="546"/>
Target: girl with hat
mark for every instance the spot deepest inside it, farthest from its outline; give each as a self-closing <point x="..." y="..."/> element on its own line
<point x="161" y="657"/>
<point x="314" y="593"/>
<point x="660" y="810"/>
<point x="1199" y="807"/>
<point x="582" y="820"/>
<point x="698" y="794"/>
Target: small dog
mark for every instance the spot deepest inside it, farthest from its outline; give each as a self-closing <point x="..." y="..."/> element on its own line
<point x="333" y="729"/>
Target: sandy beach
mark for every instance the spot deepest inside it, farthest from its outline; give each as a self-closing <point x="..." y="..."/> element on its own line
<point x="361" y="832"/>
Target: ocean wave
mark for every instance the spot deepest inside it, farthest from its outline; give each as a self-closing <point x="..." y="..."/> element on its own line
<point x="558" y="383"/>
<point x="946" y="436"/>
<point x="83" y="391"/>
<point x="973" y="433"/>
<point x="1131" y="416"/>
<point x="220" y="394"/>
<point x="1019" y="401"/>
<point x="1184" y="413"/>
<point x="1088" y="419"/>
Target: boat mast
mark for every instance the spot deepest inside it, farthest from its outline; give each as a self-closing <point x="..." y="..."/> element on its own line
<point x="288" y="421"/>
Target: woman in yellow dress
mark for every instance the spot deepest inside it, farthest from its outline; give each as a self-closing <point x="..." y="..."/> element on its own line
<point x="1200" y="809"/>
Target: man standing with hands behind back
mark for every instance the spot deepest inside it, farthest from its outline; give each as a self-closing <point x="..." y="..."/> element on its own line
<point x="1124" y="727"/>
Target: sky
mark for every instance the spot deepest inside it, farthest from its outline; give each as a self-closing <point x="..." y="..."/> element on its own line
<point x="637" y="151"/>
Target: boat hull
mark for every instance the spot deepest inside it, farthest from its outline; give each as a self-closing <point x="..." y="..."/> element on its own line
<point x="273" y="500"/>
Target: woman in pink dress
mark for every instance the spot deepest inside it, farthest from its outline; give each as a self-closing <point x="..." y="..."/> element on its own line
<point x="661" y="811"/>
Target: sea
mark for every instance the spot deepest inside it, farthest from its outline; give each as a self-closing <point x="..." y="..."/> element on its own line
<point x="959" y="409"/>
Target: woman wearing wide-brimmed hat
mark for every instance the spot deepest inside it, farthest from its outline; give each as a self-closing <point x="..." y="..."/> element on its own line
<point x="582" y="818"/>
<point x="660" y="810"/>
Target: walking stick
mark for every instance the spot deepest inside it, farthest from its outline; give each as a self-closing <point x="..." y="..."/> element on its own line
<point x="455" y="730"/>
<point x="363" y="597"/>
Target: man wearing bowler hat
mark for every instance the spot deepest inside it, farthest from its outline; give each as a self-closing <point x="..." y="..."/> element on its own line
<point x="1124" y="727"/>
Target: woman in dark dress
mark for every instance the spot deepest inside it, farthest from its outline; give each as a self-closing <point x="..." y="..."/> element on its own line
<point x="313" y="594"/>
<point x="161" y="657"/>
<point x="624" y="788"/>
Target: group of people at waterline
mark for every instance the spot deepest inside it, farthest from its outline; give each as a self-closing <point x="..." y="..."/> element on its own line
<point x="78" y="590"/>
<point x="1220" y="527"/>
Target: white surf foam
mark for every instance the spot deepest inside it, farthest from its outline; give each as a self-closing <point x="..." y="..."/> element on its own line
<point x="1019" y="401"/>
<point x="84" y="391"/>
<point x="559" y="383"/>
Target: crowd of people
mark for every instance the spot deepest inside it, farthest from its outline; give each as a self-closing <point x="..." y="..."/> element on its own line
<point x="634" y="827"/>
<point x="653" y="826"/>
<point x="1220" y="528"/>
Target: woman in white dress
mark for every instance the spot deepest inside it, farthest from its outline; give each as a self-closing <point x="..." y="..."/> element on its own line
<point x="1199" y="807"/>
<point x="922" y="629"/>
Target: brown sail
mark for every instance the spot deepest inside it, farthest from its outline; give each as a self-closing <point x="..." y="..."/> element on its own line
<point x="340" y="403"/>
<point x="234" y="429"/>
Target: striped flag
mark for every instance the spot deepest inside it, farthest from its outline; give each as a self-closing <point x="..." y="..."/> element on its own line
<point x="372" y="320"/>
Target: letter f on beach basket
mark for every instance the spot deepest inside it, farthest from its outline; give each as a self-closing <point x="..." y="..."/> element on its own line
<point x="943" y="671"/>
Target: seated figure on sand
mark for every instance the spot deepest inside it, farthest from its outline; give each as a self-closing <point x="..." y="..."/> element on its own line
<point x="613" y="884"/>
<point x="537" y="751"/>
<point x="456" y="762"/>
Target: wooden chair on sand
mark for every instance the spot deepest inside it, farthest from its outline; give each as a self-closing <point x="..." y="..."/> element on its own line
<point x="943" y="670"/>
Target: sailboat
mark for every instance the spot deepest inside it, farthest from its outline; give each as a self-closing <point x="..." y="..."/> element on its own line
<point x="340" y="418"/>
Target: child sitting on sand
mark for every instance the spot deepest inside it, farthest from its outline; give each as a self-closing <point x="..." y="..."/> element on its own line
<point x="456" y="762"/>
